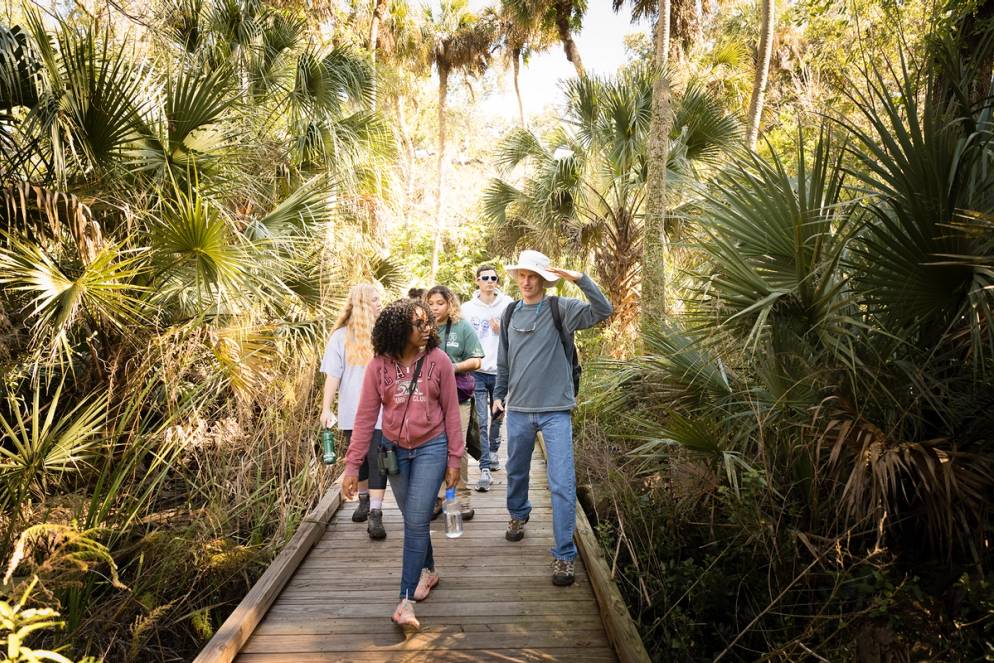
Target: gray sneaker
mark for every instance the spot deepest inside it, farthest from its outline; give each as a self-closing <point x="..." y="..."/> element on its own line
<point x="485" y="481"/>
<point x="494" y="462"/>
<point x="515" y="529"/>
<point x="375" y="525"/>
<point x="362" y="510"/>
<point x="563" y="572"/>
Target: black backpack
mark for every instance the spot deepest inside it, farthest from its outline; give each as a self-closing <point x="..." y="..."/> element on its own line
<point x="569" y="346"/>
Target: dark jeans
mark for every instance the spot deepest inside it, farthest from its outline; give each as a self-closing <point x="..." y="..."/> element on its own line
<point x="377" y="480"/>
<point x="489" y="428"/>
<point x="422" y="470"/>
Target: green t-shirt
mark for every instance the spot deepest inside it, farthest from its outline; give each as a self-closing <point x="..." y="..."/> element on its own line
<point x="462" y="342"/>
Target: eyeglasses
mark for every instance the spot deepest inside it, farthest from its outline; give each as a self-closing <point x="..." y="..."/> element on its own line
<point x="538" y="310"/>
<point x="493" y="278"/>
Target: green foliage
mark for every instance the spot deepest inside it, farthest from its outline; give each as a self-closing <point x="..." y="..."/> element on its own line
<point x="18" y="623"/>
<point x="584" y="187"/>
<point x="820" y="403"/>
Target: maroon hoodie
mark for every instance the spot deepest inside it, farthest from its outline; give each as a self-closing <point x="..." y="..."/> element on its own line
<point x="434" y="407"/>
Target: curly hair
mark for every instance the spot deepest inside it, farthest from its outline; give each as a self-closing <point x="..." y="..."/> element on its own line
<point x="394" y="327"/>
<point x="358" y="317"/>
<point x="454" y="312"/>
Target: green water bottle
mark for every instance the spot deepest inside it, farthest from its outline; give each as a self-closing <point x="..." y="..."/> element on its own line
<point x="328" y="444"/>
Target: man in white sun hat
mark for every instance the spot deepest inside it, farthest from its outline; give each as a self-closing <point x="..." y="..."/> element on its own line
<point x="537" y="378"/>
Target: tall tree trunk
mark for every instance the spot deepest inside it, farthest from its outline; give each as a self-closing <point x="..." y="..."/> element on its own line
<point x="443" y="92"/>
<point x="408" y="144"/>
<point x="516" y="55"/>
<point x="654" y="240"/>
<point x="564" y="9"/>
<point x="762" y="72"/>
<point x="374" y="36"/>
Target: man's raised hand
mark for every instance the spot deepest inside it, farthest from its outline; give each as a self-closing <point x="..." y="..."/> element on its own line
<point x="567" y="274"/>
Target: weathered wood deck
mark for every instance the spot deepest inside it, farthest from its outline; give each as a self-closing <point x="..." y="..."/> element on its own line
<point x="495" y="601"/>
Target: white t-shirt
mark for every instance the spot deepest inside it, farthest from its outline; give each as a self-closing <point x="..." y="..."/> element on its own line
<point x="350" y="379"/>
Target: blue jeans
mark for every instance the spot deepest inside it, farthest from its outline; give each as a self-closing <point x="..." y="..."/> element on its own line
<point x="557" y="430"/>
<point x="489" y="429"/>
<point x="422" y="470"/>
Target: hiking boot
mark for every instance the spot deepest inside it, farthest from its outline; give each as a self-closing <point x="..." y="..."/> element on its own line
<point x="563" y="572"/>
<point x="362" y="511"/>
<point x="467" y="513"/>
<point x="515" y="529"/>
<point x="428" y="580"/>
<point x="404" y="617"/>
<point x="485" y="481"/>
<point x="438" y="508"/>
<point x="375" y="526"/>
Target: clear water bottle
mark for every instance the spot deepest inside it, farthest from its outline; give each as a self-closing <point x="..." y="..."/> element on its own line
<point x="453" y="514"/>
<point x="328" y="446"/>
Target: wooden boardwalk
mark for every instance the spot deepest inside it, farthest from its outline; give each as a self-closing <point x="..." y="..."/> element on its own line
<point x="495" y="602"/>
<point x="329" y="594"/>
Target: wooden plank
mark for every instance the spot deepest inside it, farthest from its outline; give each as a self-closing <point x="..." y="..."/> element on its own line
<point x="618" y="623"/>
<point x="453" y="596"/>
<point x="237" y="629"/>
<point x="465" y="571"/>
<point x="469" y="623"/>
<point x="381" y="609"/>
<point x="508" y="655"/>
<point x="444" y="638"/>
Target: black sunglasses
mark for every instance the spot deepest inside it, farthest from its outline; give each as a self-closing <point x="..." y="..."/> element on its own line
<point x="489" y="278"/>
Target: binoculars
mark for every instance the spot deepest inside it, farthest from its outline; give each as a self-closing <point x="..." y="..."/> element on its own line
<point x="388" y="461"/>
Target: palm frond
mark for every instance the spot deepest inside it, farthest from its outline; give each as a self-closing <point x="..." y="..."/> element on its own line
<point x="309" y="206"/>
<point x="60" y="296"/>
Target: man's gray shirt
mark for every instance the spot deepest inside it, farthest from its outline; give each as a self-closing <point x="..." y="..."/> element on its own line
<point x="533" y="372"/>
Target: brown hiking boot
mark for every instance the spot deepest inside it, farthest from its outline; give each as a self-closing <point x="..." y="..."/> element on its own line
<point x="515" y="529"/>
<point x="563" y="572"/>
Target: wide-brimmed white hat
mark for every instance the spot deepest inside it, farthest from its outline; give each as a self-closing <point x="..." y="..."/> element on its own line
<point x="536" y="262"/>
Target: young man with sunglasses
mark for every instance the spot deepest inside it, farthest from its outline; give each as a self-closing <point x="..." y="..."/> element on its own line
<point x="484" y="313"/>
<point x="535" y="386"/>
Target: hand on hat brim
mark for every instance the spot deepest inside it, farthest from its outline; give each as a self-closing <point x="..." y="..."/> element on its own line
<point x="567" y="274"/>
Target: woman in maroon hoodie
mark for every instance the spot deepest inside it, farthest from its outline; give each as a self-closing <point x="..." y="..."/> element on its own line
<point x="412" y="379"/>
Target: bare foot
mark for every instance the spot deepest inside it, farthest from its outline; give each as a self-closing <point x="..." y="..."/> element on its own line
<point x="404" y="617"/>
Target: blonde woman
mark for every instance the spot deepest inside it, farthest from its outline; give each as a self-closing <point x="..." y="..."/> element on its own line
<point x="463" y="348"/>
<point x="349" y="350"/>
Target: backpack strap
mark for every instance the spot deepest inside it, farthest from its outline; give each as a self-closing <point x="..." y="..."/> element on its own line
<point x="505" y="321"/>
<point x="557" y="319"/>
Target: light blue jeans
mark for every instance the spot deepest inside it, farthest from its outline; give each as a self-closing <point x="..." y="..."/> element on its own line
<point x="422" y="470"/>
<point x="557" y="430"/>
<point x="483" y="393"/>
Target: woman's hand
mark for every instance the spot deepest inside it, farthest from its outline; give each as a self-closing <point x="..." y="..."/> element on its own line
<point x="451" y="477"/>
<point x="498" y="409"/>
<point x="328" y="418"/>
<point x="350" y="486"/>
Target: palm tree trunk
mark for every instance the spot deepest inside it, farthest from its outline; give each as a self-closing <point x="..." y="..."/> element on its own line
<point x="374" y="35"/>
<point x="654" y="242"/>
<point x="563" y="11"/>
<point x="517" y="89"/>
<point x="762" y="72"/>
<point x="443" y="92"/>
<point x="408" y="144"/>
